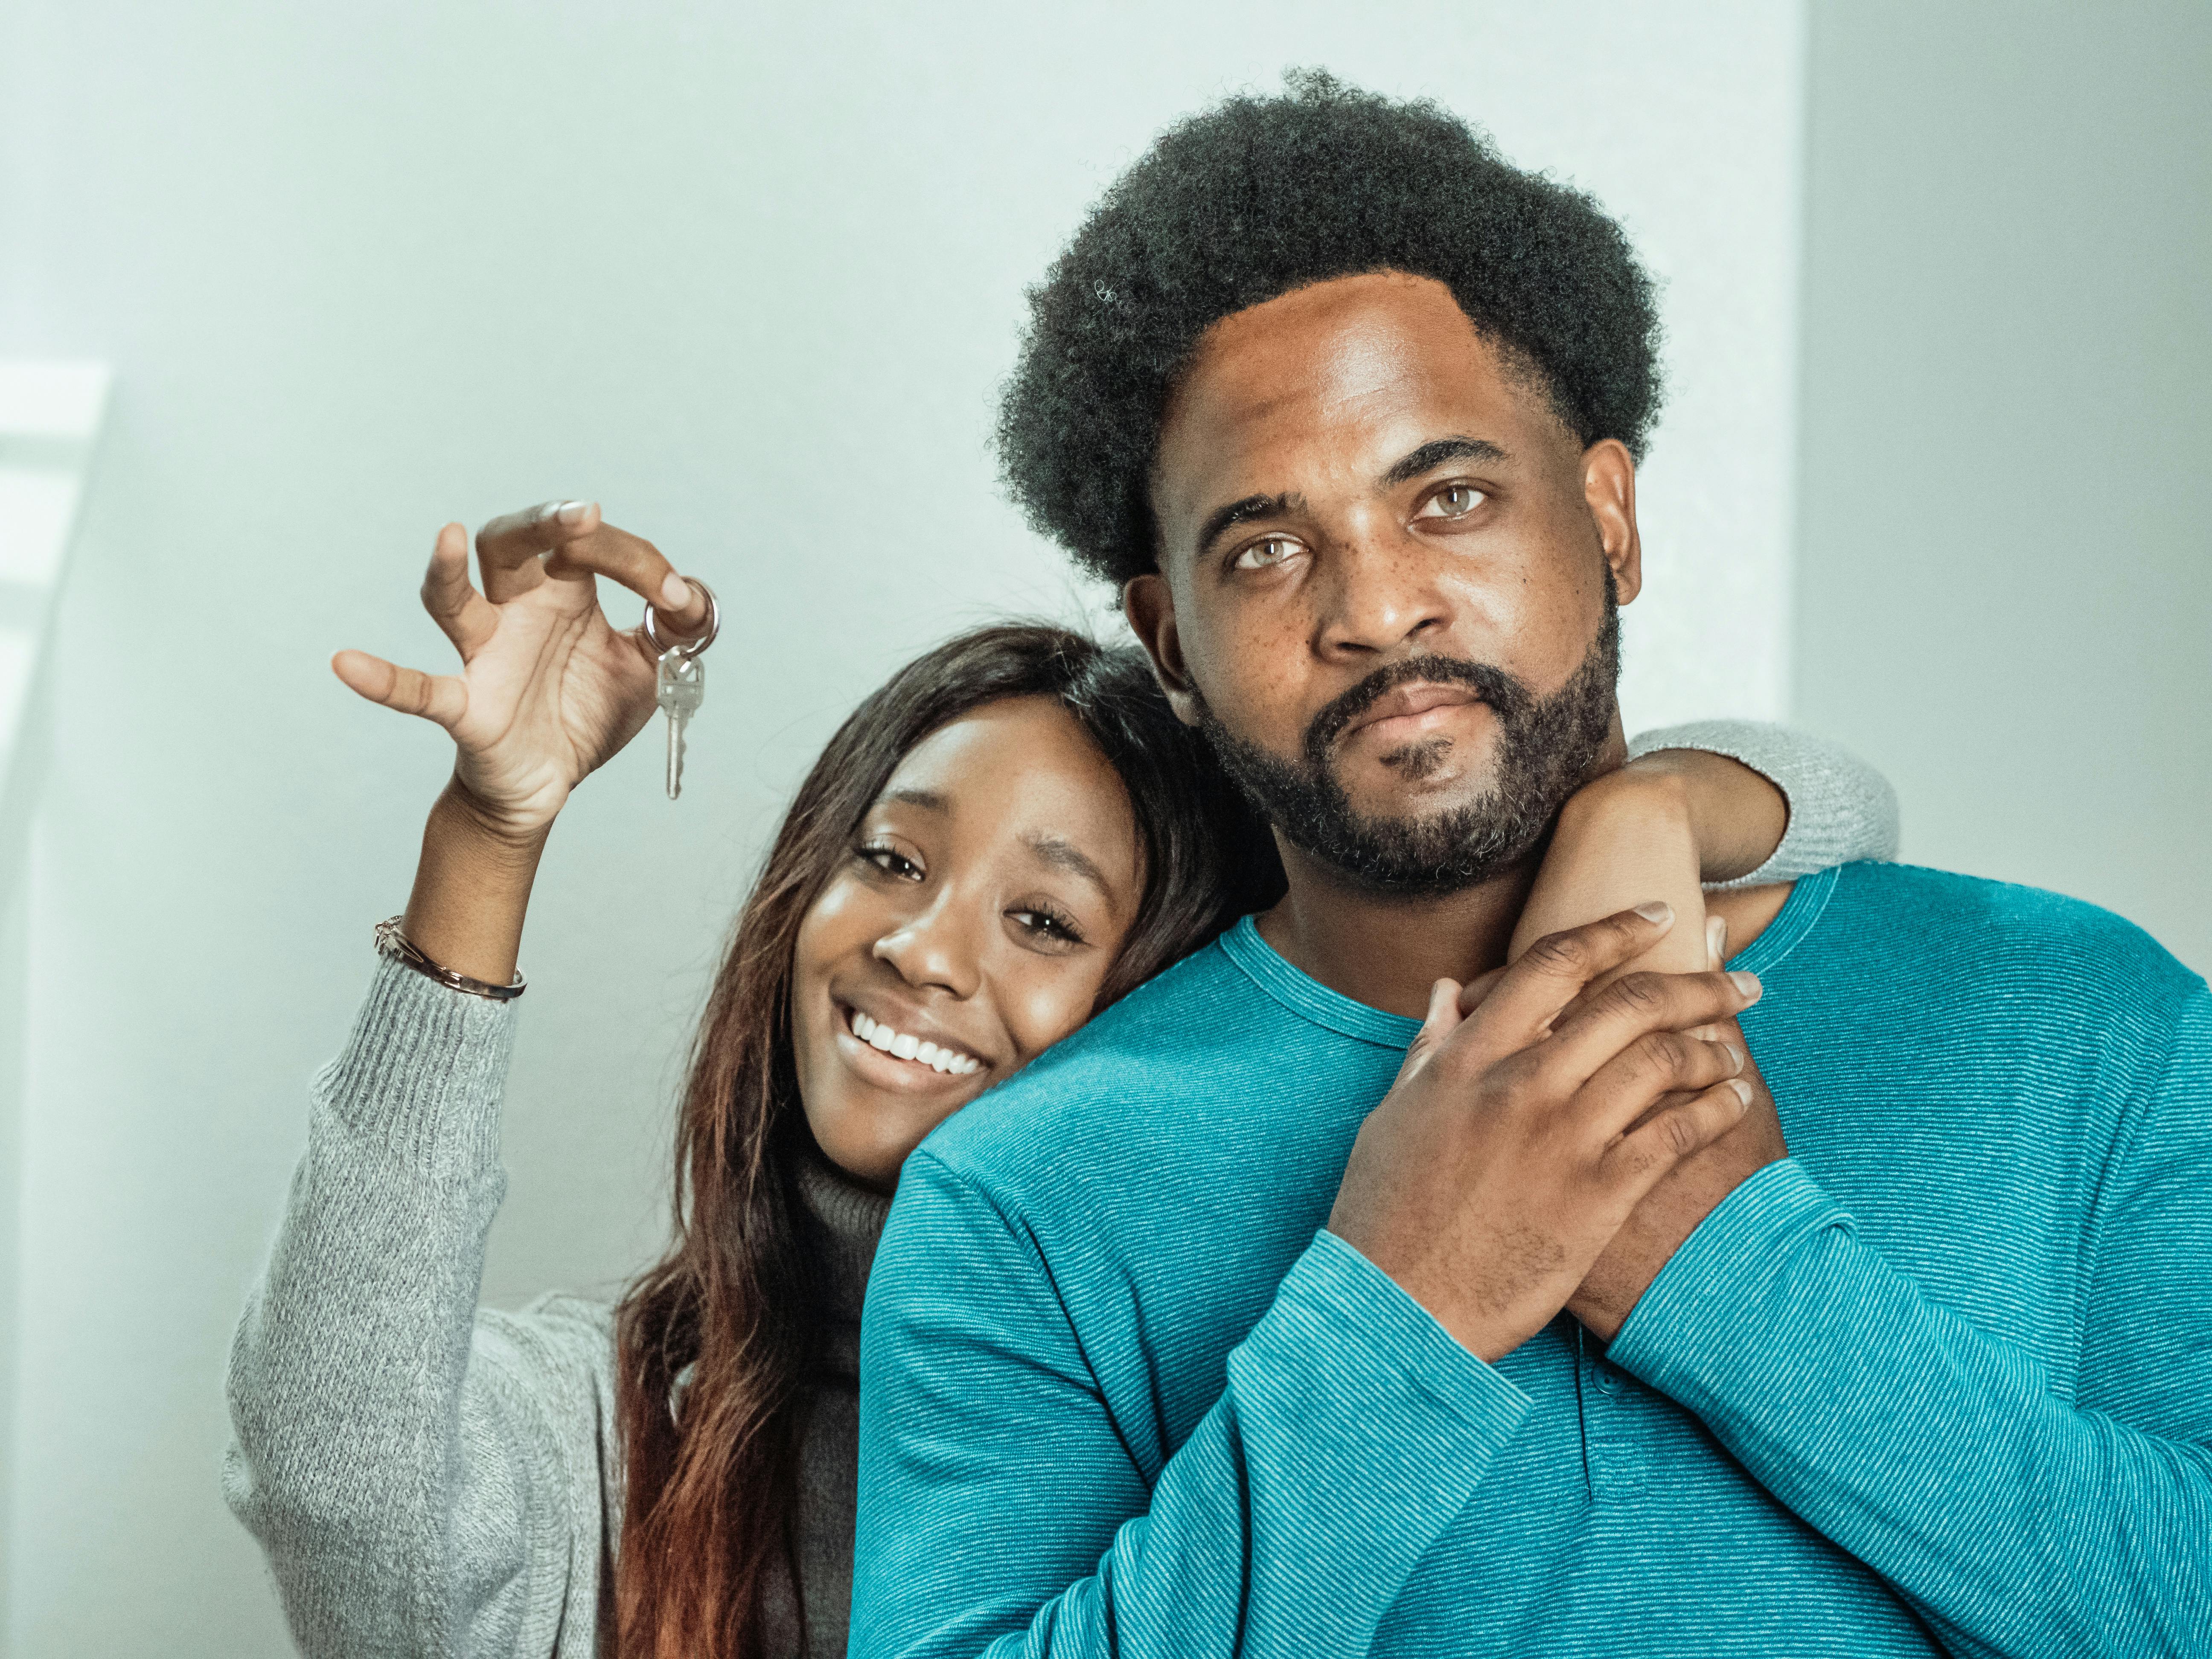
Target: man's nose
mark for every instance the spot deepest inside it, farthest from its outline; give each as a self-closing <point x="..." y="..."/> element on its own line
<point x="1379" y="592"/>
<point x="936" y="947"/>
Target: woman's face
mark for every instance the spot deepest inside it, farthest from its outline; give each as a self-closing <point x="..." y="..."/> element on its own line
<point x="969" y="927"/>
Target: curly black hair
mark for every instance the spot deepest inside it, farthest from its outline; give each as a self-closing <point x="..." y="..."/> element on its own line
<point x="1261" y="195"/>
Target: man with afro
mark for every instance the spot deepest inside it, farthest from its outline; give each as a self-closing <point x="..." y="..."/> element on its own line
<point x="1347" y="1290"/>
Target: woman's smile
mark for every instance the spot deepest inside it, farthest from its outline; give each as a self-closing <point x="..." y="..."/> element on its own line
<point x="911" y="1054"/>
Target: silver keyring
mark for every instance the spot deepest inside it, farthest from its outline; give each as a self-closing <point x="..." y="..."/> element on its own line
<point x="687" y="652"/>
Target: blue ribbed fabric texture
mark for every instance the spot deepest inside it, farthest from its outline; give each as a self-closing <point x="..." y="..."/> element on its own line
<point x="1940" y="1383"/>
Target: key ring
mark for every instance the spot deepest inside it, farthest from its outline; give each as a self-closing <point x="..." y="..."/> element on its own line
<point x="687" y="652"/>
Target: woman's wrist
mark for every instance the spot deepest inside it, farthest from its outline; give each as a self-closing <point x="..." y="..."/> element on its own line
<point x="1735" y="815"/>
<point x="472" y="887"/>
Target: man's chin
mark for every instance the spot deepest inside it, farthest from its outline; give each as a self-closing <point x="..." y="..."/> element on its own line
<point x="1404" y="802"/>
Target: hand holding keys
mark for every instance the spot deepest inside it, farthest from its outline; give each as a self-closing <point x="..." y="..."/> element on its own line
<point x="680" y="680"/>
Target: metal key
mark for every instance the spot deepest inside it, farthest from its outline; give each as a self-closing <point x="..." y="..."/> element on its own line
<point x="679" y="687"/>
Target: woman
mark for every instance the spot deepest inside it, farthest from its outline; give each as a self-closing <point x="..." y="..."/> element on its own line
<point x="1009" y="834"/>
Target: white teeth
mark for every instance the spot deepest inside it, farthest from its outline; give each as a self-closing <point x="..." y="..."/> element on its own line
<point x="876" y="1035"/>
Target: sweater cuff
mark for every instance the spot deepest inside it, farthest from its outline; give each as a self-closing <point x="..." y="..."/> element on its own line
<point x="422" y="1075"/>
<point x="1383" y="1382"/>
<point x="1841" y="810"/>
<point x="1710" y="1303"/>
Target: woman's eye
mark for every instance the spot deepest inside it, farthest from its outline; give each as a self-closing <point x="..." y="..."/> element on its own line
<point x="1047" y="927"/>
<point x="1271" y="550"/>
<point x="1455" y="501"/>
<point x="890" y="862"/>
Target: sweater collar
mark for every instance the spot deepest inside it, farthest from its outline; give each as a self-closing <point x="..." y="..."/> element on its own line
<point x="845" y="1219"/>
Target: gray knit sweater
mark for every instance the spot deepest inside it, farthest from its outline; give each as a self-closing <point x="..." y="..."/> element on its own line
<point x="430" y="1476"/>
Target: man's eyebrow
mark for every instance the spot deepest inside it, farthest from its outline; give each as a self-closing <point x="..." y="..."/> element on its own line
<point x="927" y="800"/>
<point x="1063" y="855"/>
<point x="1252" y="507"/>
<point x="1432" y="455"/>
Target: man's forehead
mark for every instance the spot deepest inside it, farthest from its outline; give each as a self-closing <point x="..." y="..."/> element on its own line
<point x="1347" y="373"/>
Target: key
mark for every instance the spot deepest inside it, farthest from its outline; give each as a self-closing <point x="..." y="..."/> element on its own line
<point x="679" y="687"/>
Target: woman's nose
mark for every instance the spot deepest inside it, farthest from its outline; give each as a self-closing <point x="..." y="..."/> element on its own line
<point x="935" y="946"/>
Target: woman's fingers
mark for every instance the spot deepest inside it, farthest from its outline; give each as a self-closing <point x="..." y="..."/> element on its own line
<point x="640" y="567"/>
<point x="568" y="539"/>
<point x="440" y="697"/>
<point x="463" y="615"/>
<point x="510" y="546"/>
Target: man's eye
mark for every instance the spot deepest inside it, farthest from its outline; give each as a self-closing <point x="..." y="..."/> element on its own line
<point x="1272" y="550"/>
<point x="1455" y="501"/>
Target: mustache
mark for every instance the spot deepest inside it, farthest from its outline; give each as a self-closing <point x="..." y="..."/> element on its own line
<point x="1509" y="697"/>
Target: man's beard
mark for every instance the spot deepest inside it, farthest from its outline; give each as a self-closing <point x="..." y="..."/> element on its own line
<point x="1547" y="747"/>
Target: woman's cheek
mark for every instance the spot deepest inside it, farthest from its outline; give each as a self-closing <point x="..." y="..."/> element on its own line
<point x="1052" y="1004"/>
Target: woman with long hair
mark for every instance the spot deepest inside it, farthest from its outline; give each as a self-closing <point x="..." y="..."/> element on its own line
<point x="1008" y="834"/>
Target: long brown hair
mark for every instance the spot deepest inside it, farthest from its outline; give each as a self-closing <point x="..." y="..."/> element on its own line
<point x="711" y="1503"/>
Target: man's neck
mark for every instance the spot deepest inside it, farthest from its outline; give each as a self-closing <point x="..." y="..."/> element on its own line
<point x="1386" y="951"/>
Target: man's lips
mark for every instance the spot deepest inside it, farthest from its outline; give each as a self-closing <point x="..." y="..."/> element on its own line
<point x="1400" y="713"/>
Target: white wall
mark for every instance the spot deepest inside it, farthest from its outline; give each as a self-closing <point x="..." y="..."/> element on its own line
<point x="750" y="277"/>
<point x="2007" y="549"/>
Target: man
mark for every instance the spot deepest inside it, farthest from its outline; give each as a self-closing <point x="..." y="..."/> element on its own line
<point x="1182" y="1344"/>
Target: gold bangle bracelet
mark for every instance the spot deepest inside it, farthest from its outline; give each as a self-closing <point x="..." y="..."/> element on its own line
<point x="392" y="943"/>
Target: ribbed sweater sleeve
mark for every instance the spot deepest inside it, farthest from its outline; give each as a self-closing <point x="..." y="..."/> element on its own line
<point x="1841" y="810"/>
<point x="1351" y="1434"/>
<point x="2020" y="1515"/>
<point x="425" y="1479"/>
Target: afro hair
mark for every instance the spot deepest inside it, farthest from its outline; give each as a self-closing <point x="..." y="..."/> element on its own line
<point x="1262" y="195"/>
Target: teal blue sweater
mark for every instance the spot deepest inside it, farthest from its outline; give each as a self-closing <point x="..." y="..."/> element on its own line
<point x="1939" y="1382"/>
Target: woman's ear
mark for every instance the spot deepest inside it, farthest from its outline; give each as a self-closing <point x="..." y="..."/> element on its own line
<point x="1150" y="607"/>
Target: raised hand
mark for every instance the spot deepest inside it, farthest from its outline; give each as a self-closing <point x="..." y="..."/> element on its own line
<point x="548" y="690"/>
<point x="1518" y="1139"/>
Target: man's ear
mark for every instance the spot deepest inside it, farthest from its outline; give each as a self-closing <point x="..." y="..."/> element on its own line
<point x="1609" y="488"/>
<point x="1150" y="607"/>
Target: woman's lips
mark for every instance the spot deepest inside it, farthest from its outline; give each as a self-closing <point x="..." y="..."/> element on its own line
<point x="887" y="1039"/>
<point x="877" y="1060"/>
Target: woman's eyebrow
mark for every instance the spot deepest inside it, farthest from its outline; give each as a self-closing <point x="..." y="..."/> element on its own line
<point x="927" y="800"/>
<point x="1064" y="855"/>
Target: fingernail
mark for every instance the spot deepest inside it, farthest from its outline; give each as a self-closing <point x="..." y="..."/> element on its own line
<point x="572" y="512"/>
<point x="1658" y="912"/>
<point x="1734" y="1058"/>
<point x="1717" y="938"/>
<point x="1742" y="1090"/>
<point x="676" y="592"/>
<point x="1746" y="982"/>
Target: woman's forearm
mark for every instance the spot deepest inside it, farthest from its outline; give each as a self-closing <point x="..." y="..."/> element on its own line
<point x="472" y="890"/>
<point x="1737" y="818"/>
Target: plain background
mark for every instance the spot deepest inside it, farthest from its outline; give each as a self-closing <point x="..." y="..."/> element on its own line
<point x="750" y="277"/>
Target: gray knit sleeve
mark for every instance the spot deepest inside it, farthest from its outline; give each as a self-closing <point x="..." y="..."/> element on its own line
<point x="1841" y="810"/>
<point x="424" y="1479"/>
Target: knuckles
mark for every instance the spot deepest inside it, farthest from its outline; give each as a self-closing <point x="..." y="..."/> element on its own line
<point x="1563" y="956"/>
<point x="1679" y="1134"/>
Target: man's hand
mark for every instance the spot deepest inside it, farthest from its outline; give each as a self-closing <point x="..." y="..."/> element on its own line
<point x="1518" y="1139"/>
<point x="1683" y="1197"/>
